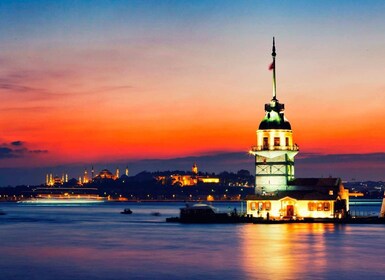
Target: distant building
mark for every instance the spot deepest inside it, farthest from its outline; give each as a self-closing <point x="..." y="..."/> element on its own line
<point x="188" y="179"/>
<point x="51" y="180"/>
<point x="85" y="178"/>
<point x="106" y="174"/>
<point x="278" y="194"/>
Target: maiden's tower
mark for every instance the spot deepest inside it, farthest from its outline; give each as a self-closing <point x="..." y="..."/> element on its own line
<point x="278" y="194"/>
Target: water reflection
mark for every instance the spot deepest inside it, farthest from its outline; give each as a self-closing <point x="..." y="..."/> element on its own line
<point x="99" y="243"/>
<point x="315" y="251"/>
<point x="285" y="251"/>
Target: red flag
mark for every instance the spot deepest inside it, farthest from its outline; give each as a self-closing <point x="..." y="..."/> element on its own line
<point x="272" y="65"/>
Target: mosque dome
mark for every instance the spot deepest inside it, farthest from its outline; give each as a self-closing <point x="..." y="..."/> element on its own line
<point x="106" y="174"/>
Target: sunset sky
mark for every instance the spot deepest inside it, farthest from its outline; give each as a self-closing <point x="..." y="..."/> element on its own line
<point x="99" y="82"/>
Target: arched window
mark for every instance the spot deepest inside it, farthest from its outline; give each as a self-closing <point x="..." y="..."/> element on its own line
<point x="320" y="206"/>
<point x="261" y="206"/>
<point x="268" y="205"/>
<point x="311" y="206"/>
<point x="252" y="206"/>
<point x="326" y="206"/>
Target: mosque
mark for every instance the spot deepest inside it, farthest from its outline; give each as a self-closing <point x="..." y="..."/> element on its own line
<point x="278" y="194"/>
<point x="51" y="180"/>
<point x="57" y="181"/>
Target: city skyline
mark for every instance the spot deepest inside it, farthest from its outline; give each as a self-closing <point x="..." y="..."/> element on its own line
<point x="105" y="83"/>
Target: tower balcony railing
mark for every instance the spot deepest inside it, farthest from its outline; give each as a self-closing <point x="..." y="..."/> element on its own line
<point x="274" y="148"/>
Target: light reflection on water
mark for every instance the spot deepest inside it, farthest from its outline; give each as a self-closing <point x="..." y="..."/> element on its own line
<point x="315" y="251"/>
<point x="96" y="242"/>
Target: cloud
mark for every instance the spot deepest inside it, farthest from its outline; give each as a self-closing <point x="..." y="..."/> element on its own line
<point x="33" y="109"/>
<point x="33" y="83"/>
<point x="6" y="153"/>
<point x="21" y="82"/>
<point x="311" y="165"/>
<point x="18" y="81"/>
<point x="17" y="143"/>
<point x="368" y="166"/>
<point x="18" y="84"/>
<point x="347" y="166"/>
<point x="341" y="158"/>
<point x="6" y="85"/>
<point x="38" y="151"/>
<point x="112" y="88"/>
<point x="17" y="149"/>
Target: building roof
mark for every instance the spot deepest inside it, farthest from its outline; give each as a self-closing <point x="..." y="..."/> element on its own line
<point x="306" y="189"/>
<point x="316" y="182"/>
<point x="298" y="195"/>
<point x="105" y="174"/>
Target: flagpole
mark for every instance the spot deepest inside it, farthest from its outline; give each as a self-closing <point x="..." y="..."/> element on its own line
<point x="274" y="79"/>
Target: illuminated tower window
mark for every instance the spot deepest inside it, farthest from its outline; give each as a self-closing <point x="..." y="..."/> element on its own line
<point x="276" y="141"/>
<point x="265" y="143"/>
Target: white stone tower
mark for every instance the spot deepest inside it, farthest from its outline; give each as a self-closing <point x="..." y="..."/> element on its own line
<point x="275" y="149"/>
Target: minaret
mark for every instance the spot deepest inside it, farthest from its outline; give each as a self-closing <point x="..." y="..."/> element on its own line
<point x="275" y="149"/>
<point x="194" y="169"/>
<point x="85" y="178"/>
<point x="92" y="173"/>
<point x="126" y="170"/>
<point x="117" y="173"/>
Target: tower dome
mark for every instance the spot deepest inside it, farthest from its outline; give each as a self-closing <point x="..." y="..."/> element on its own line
<point x="274" y="116"/>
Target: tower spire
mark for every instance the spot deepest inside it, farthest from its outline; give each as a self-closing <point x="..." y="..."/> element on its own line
<point x="273" y="54"/>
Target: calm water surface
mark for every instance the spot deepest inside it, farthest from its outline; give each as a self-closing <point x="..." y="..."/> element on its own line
<point x="97" y="242"/>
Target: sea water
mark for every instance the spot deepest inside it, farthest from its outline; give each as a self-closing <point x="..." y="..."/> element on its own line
<point x="97" y="242"/>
